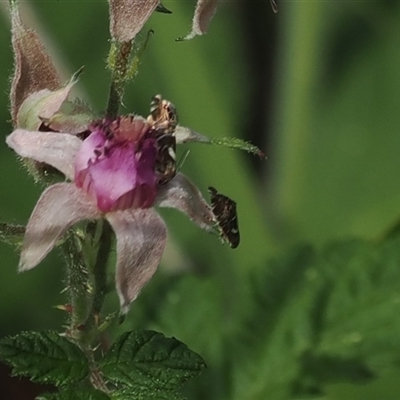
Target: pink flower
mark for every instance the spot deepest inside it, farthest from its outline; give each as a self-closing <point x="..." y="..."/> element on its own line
<point x="114" y="174"/>
<point x="116" y="165"/>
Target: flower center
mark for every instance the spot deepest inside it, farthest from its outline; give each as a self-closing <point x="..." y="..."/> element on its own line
<point x="116" y="164"/>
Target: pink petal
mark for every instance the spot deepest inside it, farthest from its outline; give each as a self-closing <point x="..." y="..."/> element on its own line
<point x="116" y="175"/>
<point x="141" y="237"/>
<point x="127" y="17"/>
<point x="205" y="10"/>
<point x="59" y="207"/>
<point x="180" y="193"/>
<point x="94" y="141"/>
<point x="55" y="149"/>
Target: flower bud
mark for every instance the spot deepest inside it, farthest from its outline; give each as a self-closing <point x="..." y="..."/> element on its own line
<point x="127" y="17"/>
<point x="33" y="70"/>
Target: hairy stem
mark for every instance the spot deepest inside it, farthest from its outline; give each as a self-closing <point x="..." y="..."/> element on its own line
<point x="123" y="68"/>
<point x="118" y="63"/>
<point x="100" y="274"/>
<point x="87" y="290"/>
<point x="96" y="377"/>
<point x="78" y="281"/>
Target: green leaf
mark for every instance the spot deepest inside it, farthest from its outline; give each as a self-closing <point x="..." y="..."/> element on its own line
<point x="201" y="309"/>
<point x="140" y="393"/>
<point x="196" y="304"/>
<point x="320" y="318"/>
<point x="235" y="143"/>
<point x="276" y="332"/>
<point x="149" y="360"/>
<point x="361" y="286"/>
<point x="46" y="357"/>
<point x="75" y="394"/>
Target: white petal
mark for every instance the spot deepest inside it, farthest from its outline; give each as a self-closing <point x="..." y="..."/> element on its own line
<point x="184" y="135"/>
<point x="205" y="10"/>
<point x="141" y="236"/>
<point x="55" y="149"/>
<point x="180" y="193"/>
<point x="59" y="207"/>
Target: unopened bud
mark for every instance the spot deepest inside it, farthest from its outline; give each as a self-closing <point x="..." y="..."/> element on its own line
<point x="33" y="70"/>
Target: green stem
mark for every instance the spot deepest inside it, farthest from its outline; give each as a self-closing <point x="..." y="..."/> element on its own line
<point x="100" y="274"/>
<point x="87" y="290"/>
<point x="114" y="100"/>
<point x="123" y="69"/>
<point x="96" y="377"/>
<point x="78" y="281"/>
<point x="118" y="62"/>
<point x="86" y="300"/>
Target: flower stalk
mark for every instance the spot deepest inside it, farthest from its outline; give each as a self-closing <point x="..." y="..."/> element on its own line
<point x="100" y="273"/>
<point x="79" y="287"/>
<point x="124" y="66"/>
<point x="118" y="62"/>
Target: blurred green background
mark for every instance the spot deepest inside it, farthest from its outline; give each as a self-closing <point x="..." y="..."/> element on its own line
<point x="316" y="87"/>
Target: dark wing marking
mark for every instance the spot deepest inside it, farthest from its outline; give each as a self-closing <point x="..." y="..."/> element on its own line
<point x="166" y="158"/>
<point x="224" y="210"/>
<point x="163" y="119"/>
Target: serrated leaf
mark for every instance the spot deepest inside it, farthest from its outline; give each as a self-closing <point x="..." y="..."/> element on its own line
<point x="46" y="357"/>
<point x="140" y="393"/>
<point x="199" y="304"/>
<point x="75" y="394"/>
<point x="235" y="143"/>
<point x="149" y="360"/>
<point x="266" y="356"/>
<point x="360" y="316"/>
<point x="320" y="319"/>
<point x="186" y="312"/>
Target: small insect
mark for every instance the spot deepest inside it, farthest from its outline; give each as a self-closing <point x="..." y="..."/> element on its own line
<point x="163" y="119"/>
<point x="166" y="158"/>
<point x="163" y="115"/>
<point x="224" y="210"/>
